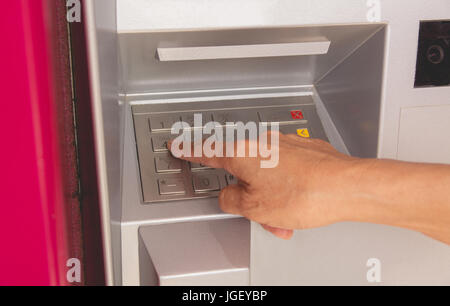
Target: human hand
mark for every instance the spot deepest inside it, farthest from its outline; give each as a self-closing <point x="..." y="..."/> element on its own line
<point x="304" y="191"/>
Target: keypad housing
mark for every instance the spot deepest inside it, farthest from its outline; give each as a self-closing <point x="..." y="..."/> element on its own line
<point x="165" y="178"/>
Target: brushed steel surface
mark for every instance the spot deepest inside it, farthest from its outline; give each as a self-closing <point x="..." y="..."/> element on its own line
<point x="242" y="51"/>
<point x="144" y="73"/>
<point x="205" y="253"/>
<point x="103" y="63"/>
<point x="352" y="94"/>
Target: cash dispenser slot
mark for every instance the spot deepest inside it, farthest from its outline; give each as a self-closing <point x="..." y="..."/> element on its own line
<point x="243" y="51"/>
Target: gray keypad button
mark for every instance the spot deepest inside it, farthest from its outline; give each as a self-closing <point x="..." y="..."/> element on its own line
<point x="171" y="186"/>
<point x="232" y="117"/>
<point x="295" y="130"/>
<point x="163" y="122"/>
<point x="196" y="167"/>
<point x="167" y="164"/>
<point x="206" y="182"/>
<point x="189" y="119"/>
<point x="223" y="118"/>
<point x="282" y="115"/>
<point x="159" y="142"/>
<point x="231" y="179"/>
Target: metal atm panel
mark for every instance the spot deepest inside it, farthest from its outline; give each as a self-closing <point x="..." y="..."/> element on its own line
<point x="162" y="190"/>
<point x="361" y="85"/>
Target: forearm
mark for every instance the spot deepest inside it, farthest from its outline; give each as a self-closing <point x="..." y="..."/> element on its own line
<point x="408" y="195"/>
<point x="314" y="186"/>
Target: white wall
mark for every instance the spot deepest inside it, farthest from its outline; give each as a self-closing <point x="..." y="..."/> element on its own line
<point x="174" y="14"/>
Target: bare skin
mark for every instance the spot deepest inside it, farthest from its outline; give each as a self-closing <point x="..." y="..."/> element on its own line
<point x="315" y="186"/>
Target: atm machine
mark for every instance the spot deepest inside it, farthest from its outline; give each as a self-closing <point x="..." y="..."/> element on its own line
<point x="371" y="77"/>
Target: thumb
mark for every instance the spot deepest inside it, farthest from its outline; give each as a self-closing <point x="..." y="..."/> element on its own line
<point x="230" y="199"/>
<point x="280" y="233"/>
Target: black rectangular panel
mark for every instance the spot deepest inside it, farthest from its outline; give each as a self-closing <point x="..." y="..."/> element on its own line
<point x="433" y="58"/>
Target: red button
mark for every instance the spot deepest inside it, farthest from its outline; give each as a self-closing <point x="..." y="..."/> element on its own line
<point x="297" y="115"/>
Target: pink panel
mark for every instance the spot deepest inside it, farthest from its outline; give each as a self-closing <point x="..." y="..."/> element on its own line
<point x="33" y="238"/>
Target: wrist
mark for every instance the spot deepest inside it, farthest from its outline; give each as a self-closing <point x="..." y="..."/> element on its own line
<point x="350" y="185"/>
<point x="373" y="185"/>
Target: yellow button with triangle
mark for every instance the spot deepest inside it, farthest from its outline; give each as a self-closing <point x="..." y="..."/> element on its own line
<point x="303" y="133"/>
